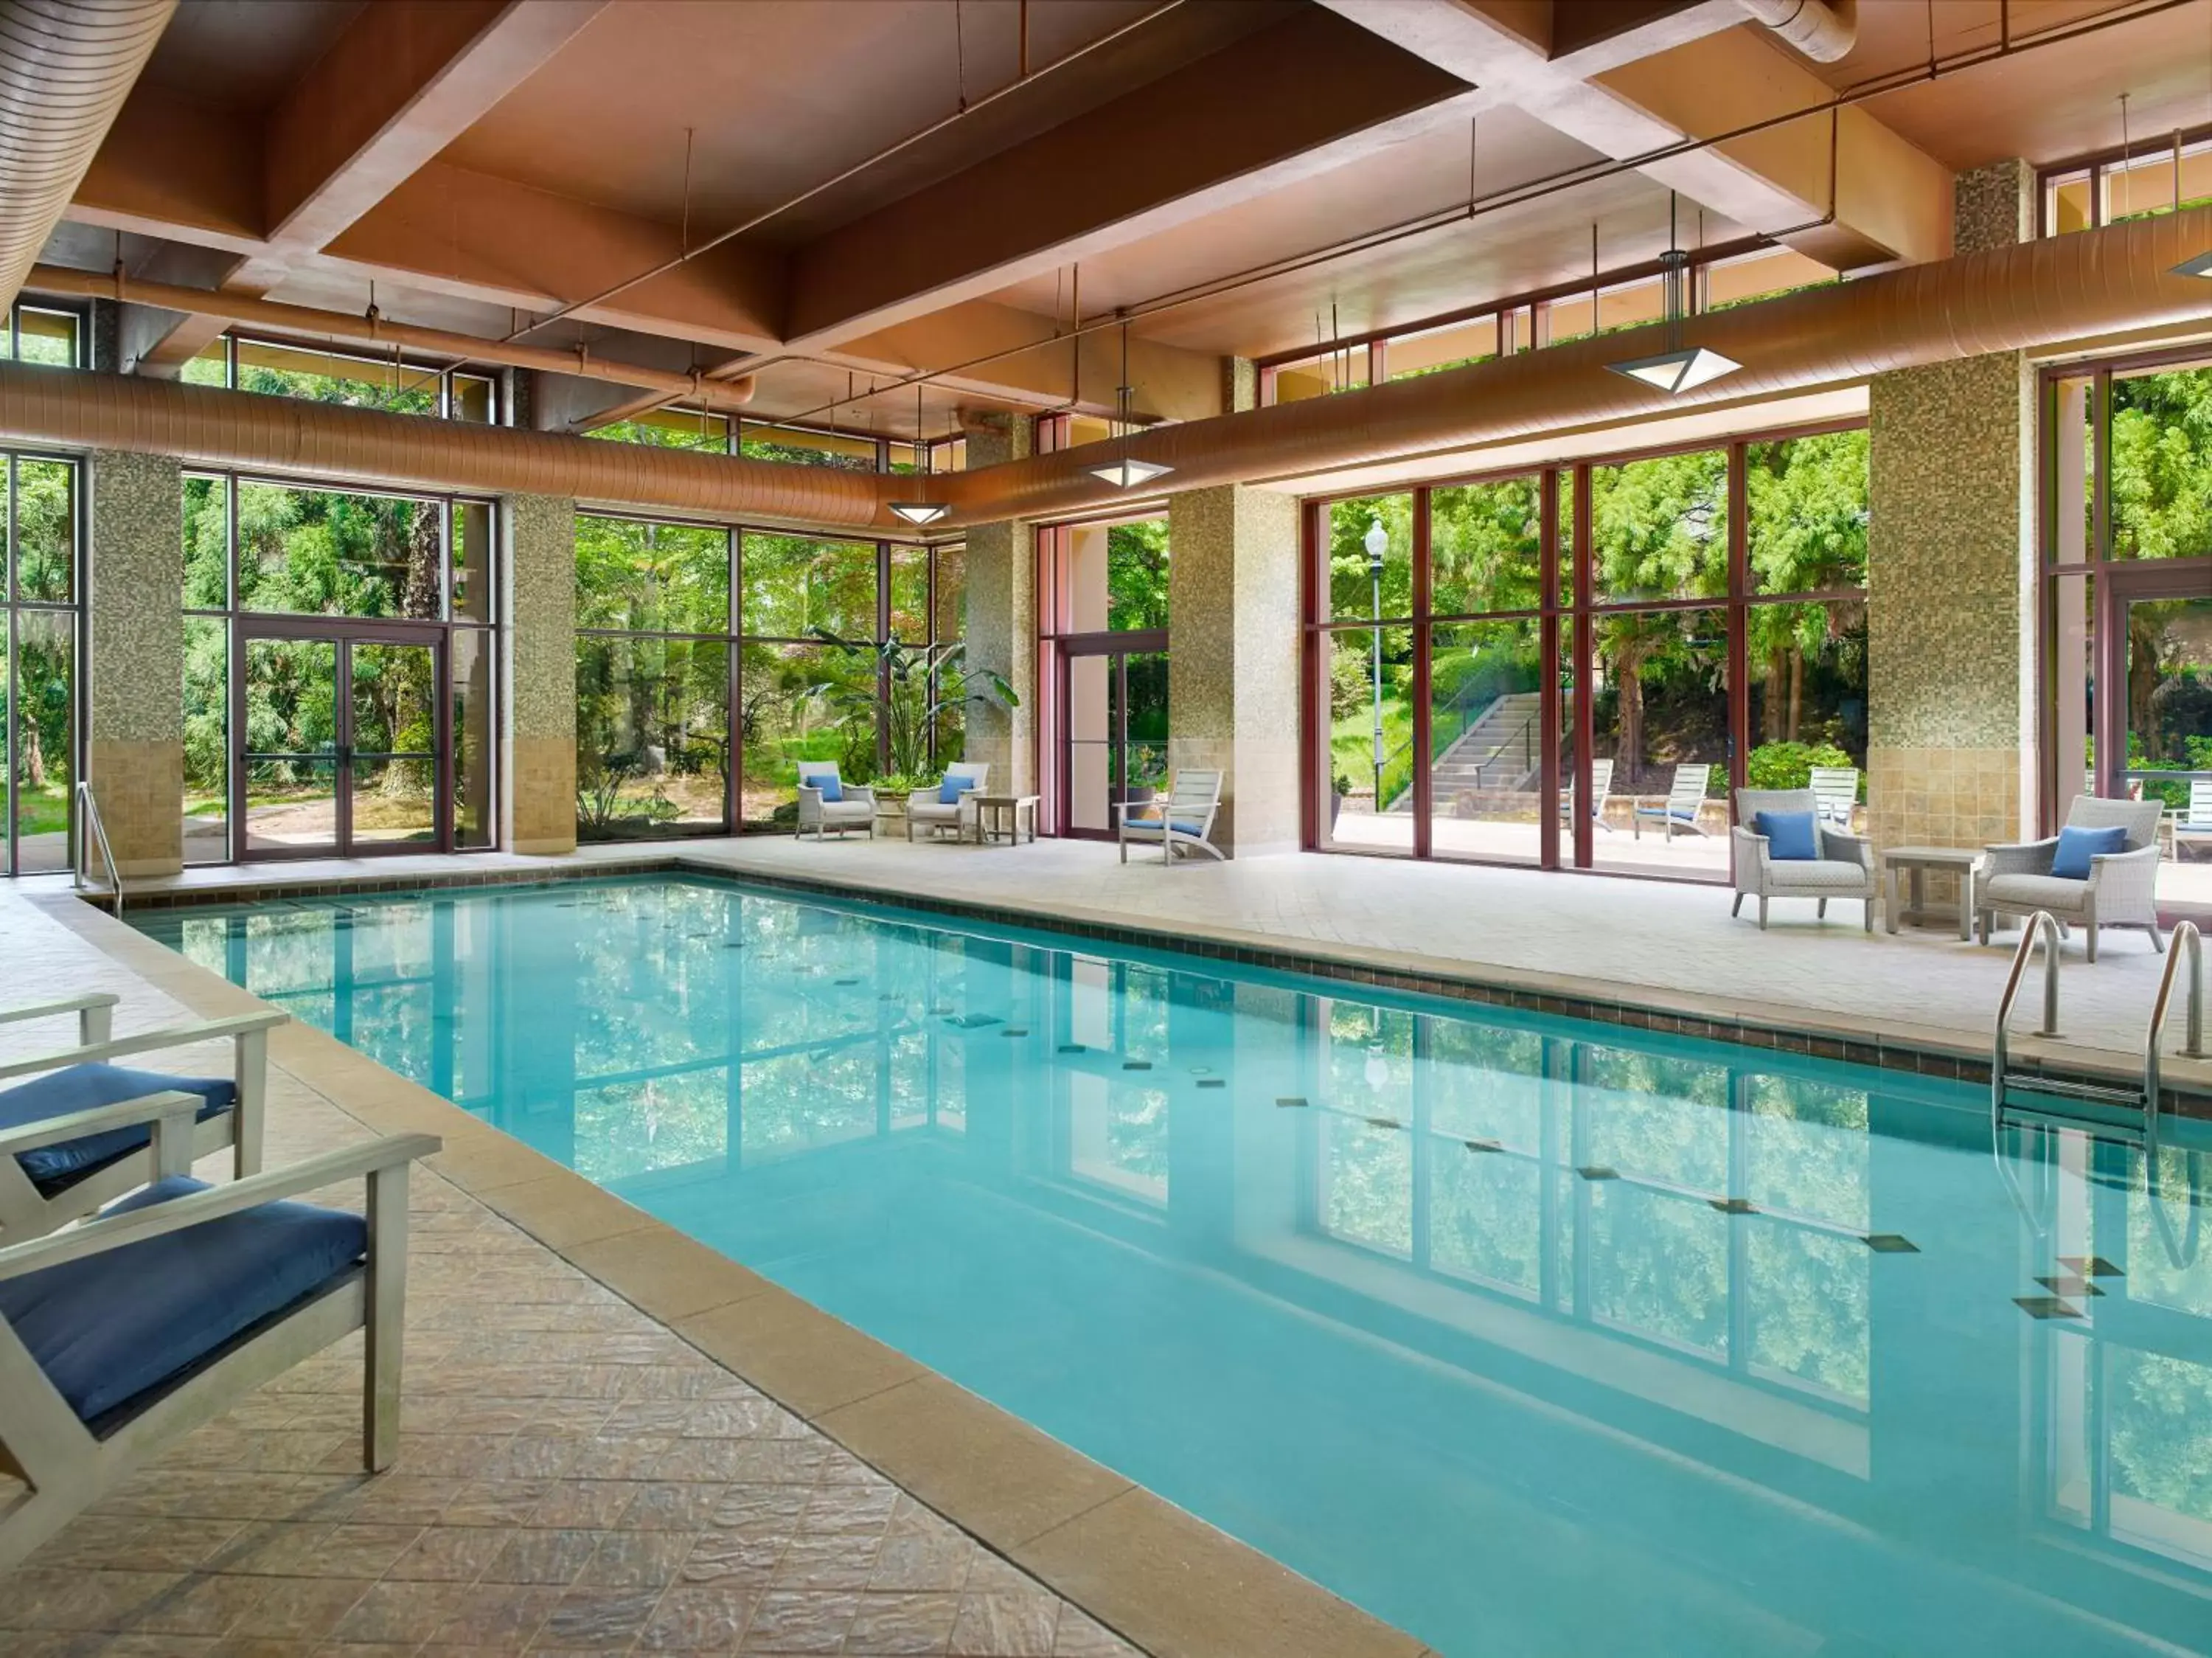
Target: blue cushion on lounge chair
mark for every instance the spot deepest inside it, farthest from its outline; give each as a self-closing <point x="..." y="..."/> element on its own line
<point x="949" y="791"/>
<point x="106" y="1328"/>
<point x="1789" y="835"/>
<point x="829" y="784"/>
<point x="82" y="1088"/>
<point x="2076" y="846"/>
<point x="1152" y="826"/>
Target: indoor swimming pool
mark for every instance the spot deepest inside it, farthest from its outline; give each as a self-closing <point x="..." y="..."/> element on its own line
<point x="1528" y="1336"/>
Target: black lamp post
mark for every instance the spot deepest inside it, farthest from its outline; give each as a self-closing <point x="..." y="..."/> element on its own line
<point x="1378" y="544"/>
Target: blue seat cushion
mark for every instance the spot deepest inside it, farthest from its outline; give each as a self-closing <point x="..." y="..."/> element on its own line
<point x="1151" y="826"/>
<point x="832" y="787"/>
<point x="83" y="1088"/>
<point x="949" y="791"/>
<point x="106" y="1328"/>
<point x="1790" y="837"/>
<point x="2076" y="846"/>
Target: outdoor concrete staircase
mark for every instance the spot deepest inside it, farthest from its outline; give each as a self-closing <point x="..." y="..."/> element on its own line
<point x="1499" y="751"/>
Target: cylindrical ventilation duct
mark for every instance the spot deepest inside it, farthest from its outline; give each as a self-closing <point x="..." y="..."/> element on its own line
<point x="1822" y="30"/>
<point x="205" y="425"/>
<point x="65" y="67"/>
<point x="2011" y="299"/>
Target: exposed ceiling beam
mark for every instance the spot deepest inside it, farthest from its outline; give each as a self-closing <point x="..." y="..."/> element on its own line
<point x="1684" y="72"/>
<point x="1177" y="148"/>
<point x="405" y="79"/>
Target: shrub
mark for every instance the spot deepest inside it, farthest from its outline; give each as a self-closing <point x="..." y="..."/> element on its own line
<point x="1790" y="765"/>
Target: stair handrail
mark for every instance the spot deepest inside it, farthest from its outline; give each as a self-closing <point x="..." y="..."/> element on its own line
<point x="90" y="829"/>
<point x="2186" y="941"/>
<point x="2041" y="925"/>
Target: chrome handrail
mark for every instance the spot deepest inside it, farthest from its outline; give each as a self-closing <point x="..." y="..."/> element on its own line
<point x="90" y="828"/>
<point x="2187" y="941"/>
<point x="2042" y="925"/>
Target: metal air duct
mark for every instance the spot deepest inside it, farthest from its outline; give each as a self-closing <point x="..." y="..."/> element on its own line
<point x="1822" y="30"/>
<point x="2011" y="299"/>
<point x="65" y="67"/>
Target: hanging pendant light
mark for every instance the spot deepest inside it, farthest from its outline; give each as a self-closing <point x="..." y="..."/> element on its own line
<point x="919" y="513"/>
<point x="1125" y="473"/>
<point x="2199" y="266"/>
<point x="1677" y="369"/>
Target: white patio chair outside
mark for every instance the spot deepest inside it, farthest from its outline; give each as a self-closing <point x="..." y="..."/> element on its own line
<point x="925" y="811"/>
<point x="2122" y="890"/>
<point x="2193" y="823"/>
<point x="1685" y="798"/>
<point x="68" y="1461"/>
<point x="855" y="809"/>
<point x="1185" y="820"/>
<point x="1836" y="790"/>
<point x="33" y="1201"/>
<point x="1845" y="868"/>
<point x="1601" y="793"/>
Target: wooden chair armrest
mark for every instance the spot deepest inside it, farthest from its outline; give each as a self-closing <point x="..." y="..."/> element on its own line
<point x="172" y="1036"/>
<point x="48" y="1009"/>
<point x="77" y="1124"/>
<point x="393" y="1151"/>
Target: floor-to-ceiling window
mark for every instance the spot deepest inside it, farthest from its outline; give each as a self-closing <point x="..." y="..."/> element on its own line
<point x="339" y="671"/>
<point x="2126" y="532"/>
<point x="1102" y="662"/>
<point x="42" y="585"/>
<point x="1572" y="668"/>
<point x="697" y="695"/>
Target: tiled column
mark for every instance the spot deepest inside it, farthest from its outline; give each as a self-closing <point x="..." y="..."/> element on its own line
<point x="1233" y="657"/>
<point x="1950" y="559"/>
<point x="537" y="745"/>
<point x="135" y="664"/>
<point x="1002" y="618"/>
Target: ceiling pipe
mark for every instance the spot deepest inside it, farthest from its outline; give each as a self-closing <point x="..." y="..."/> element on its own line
<point x="65" y="68"/>
<point x="2040" y="293"/>
<point x="208" y="425"/>
<point x="1822" y="30"/>
<point x="380" y="333"/>
<point x="2036" y="294"/>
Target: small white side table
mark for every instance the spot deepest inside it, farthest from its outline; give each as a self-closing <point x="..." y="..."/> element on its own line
<point x="1010" y="816"/>
<point x="1915" y="862"/>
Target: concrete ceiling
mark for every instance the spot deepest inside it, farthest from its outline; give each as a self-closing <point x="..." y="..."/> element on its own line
<point x="486" y="164"/>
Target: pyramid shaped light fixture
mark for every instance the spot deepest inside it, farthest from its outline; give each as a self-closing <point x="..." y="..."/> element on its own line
<point x="1125" y="471"/>
<point x="920" y="514"/>
<point x="2199" y="266"/>
<point x="1679" y="367"/>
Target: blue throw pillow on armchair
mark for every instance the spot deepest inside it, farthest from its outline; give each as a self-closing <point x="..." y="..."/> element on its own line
<point x="949" y="791"/>
<point x="1790" y="837"/>
<point x="2076" y="846"/>
<point x="832" y="787"/>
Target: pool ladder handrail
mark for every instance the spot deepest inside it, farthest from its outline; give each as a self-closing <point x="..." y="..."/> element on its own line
<point x="2184" y="941"/>
<point x="89" y="830"/>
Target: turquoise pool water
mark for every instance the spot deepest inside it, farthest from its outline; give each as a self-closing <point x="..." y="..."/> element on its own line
<point x="1528" y="1335"/>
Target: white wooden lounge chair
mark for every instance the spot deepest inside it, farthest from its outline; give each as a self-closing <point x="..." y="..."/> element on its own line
<point x="1601" y="793"/>
<point x="1844" y="866"/>
<point x="829" y="806"/>
<point x="2192" y="825"/>
<point x="1685" y="798"/>
<point x="120" y="1336"/>
<point x="1184" y="819"/>
<point x="2121" y="889"/>
<point x="928" y="810"/>
<point x="1836" y="790"/>
<point x="91" y="1149"/>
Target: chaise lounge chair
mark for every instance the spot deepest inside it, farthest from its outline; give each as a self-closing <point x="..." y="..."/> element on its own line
<point x="1184" y="819"/>
<point x="931" y="812"/>
<point x="1600" y="792"/>
<point x="120" y="1336"/>
<point x="1685" y="799"/>
<point x="1836" y="790"/>
<point x="1842" y="864"/>
<point x="91" y="1147"/>
<point x="829" y="806"/>
<point x="2192" y="825"/>
<point x="2119" y="890"/>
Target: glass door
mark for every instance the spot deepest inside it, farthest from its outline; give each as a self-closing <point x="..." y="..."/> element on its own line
<point x="342" y="736"/>
<point x="1114" y="732"/>
<point x="2154" y="717"/>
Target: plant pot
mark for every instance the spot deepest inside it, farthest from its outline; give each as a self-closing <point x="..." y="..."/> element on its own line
<point x="1335" y="805"/>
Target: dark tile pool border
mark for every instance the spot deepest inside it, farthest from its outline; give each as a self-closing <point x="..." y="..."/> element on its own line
<point x="1921" y="1057"/>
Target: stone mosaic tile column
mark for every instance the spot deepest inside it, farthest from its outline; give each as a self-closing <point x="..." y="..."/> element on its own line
<point x="537" y="741"/>
<point x="1233" y="660"/>
<point x="1950" y="561"/>
<point x="135" y="658"/>
<point x="1002" y="618"/>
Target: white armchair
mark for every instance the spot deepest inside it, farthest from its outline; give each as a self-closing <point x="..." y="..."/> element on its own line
<point x="1845" y="868"/>
<point x="2121" y="890"/>
<point x="926" y="810"/>
<point x="854" y="808"/>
